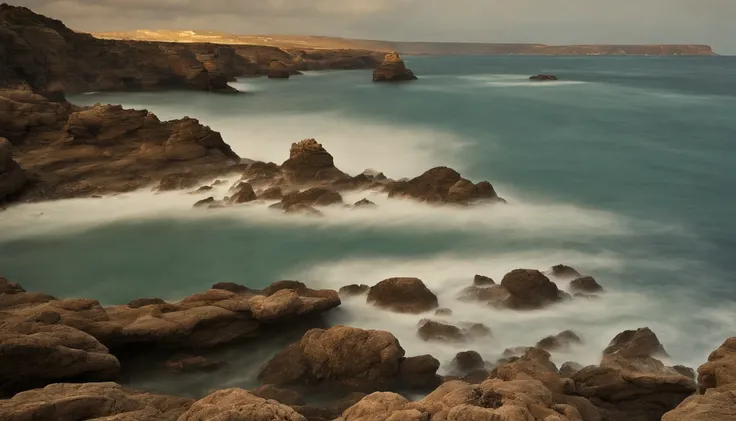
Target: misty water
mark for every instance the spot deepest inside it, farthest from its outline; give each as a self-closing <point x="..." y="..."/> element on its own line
<point x="623" y="170"/>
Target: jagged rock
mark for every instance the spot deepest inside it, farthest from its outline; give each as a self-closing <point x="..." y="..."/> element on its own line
<point x="204" y="202"/>
<point x="243" y="193"/>
<point x="259" y="173"/>
<point x="536" y="364"/>
<point x="190" y="363"/>
<point x="569" y="369"/>
<point x="354" y="358"/>
<point x="310" y="163"/>
<point x="316" y="196"/>
<point x="271" y="193"/>
<point x="392" y="69"/>
<point x="640" y="343"/>
<point x="563" y="271"/>
<point x="586" y="284"/>
<point x="480" y="280"/>
<point x="353" y="290"/>
<point x="12" y="176"/>
<point x="364" y="203"/>
<point x="442" y="185"/>
<point x="279" y="70"/>
<point x="561" y="341"/>
<point x="232" y="287"/>
<point x="529" y="289"/>
<point x="720" y="370"/>
<point x="108" y="401"/>
<point x="239" y="405"/>
<point x="402" y="295"/>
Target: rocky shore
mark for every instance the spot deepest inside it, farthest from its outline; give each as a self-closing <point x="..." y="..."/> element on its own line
<point x="62" y="357"/>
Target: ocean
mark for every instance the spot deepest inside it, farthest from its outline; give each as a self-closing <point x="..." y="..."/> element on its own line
<point x="623" y="169"/>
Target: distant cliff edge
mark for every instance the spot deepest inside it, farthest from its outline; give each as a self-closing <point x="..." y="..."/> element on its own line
<point x="410" y="48"/>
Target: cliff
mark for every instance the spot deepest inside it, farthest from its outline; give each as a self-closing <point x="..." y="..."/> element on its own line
<point x="411" y="48"/>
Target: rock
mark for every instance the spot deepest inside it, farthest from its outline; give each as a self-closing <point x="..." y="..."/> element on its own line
<point x="392" y="69"/>
<point x="685" y="371"/>
<point x="202" y="190"/>
<point x="303" y="209"/>
<point x="720" y="370"/>
<point x="382" y="406"/>
<point x="232" y="287"/>
<point x="467" y="361"/>
<point x="12" y="177"/>
<point x="543" y="77"/>
<point x="271" y="193"/>
<point x="204" y="202"/>
<point x="493" y="295"/>
<point x="563" y="271"/>
<point x="85" y="401"/>
<point x="142" y="302"/>
<point x="442" y="185"/>
<point x="7" y="287"/>
<point x="243" y="193"/>
<point x="284" y="396"/>
<point x="262" y="173"/>
<point x="35" y="354"/>
<point x="569" y="369"/>
<point x="443" y="312"/>
<point x="535" y="364"/>
<point x="310" y="163"/>
<point x="560" y="342"/>
<point x="480" y="280"/>
<point x="374" y="175"/>
<point x="354" y="358"/>
<point x="586" y="284"/>
<point x="419" y="372"/>
<point x="477" y="330"/>
<point x="516" y="352"/>
<point x="316" y="196"/>
<point x="190" y="363"/>
<point x="402" y="295"/>
<point x="640" y="343"/>
<point x="279" y="70"/>
<point x="239" y="405"/>
<point x="353" y="290"/>
<point x="364" y="203"/>
<point x="529" y="289"/>
<point x="430" y="330"/>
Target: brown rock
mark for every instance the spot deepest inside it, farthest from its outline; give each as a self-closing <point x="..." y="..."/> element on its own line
<point x="142" y="302"/>
<point x="353" y="290"/>
<point x="720" y="370"/>
<point x="310" y="163"/>
<point x="279" y="70"/>
<point x="243" y="193"/>
<point x="86" y="401"/>
<point x="430" y="330"/>
<point x="232" y="287"/>
<point x="443" y="312"/>
<point x="563" y="271"/>
<point x="493" y="295"/>
<point x="12" y="176"/>
<point x="364" y="203"/>
<point x="715" y="405"/>
<point x="190" y="363"/>
<point x="284" y="396"/>
<point x="316" y="196"/>
<point x="402" y="295"/>
<point x="441" y="185"/>
<point x="543" y="77"/>
<point x="204" y="202"/>
<point x="392" y="69"/>
<point x="529" y="289"/>
<point x="467" y="361"/>
<point x="271" y="193"/>
<point x="569" y="369"/>
<point x="561" y="341"/>
<point x="586" y="284"/>
<point x="419" y="372"/>
<point x="640" y="343"/>
<point x="239" y="405"/>
<point x="303" y="209"/>
<point x="480" y="280"/>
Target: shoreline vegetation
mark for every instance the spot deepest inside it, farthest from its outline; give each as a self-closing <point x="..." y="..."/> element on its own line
<point x="60" y="358"/>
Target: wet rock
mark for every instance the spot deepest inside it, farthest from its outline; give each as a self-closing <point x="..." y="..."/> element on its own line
<point x="284" y="396"/>
<point x="685" y="371"/>
<point x="239" y="405"/>
<point x="392" y="69"/>
<point x="480" y="280"/>
<point x="271" y="193"/>
<point x="560" y="342"/>
<point x="86" y="401"/>
<point x="402" y="295"/>
<point x="477" y="330"/>
<point x="202" y="190"/>
<point x="303" y="209"/>
<point x="543" y="77"/>
<point x="640" y="343"/>
<point x="536" y="364"/>
<point x="467" y="361"/>
<point x="364" y="203"/>
<point x="443" y="312"/>
<point x="12" y="177"/>
<point x="493" y="294"/>
<point x="310" y="163"/>
<point x="243" y="193"/>
<point x="316" y="196"/>
<point x="430" y="330"/>
<point x="192" y="363"/>
<point x="353" y="290"/>
<point x="419" y="372"/>
<point x="442" y="185"/>
<point x="204" y="202"/>
<point x="586" y="284"/>
<point x="142" y="302"/>
<point x="563" y="271"/>
<point x="529" y="289"/>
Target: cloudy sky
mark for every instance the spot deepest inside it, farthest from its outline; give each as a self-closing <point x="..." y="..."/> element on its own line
<point x="545" y="21"/>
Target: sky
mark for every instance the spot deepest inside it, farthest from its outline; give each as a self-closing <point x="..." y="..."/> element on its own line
<point x="538" y="21"/>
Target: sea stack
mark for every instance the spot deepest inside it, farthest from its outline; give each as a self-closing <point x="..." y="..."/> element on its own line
<point x="278" y="70"/>
<point x="392" y="69"/>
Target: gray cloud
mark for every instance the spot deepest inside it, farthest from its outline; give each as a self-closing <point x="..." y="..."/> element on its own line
<point x="546" y="21"/>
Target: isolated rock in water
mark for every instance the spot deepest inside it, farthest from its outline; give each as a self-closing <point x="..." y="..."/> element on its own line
<point x="402" y="295"/>
<point x="560" y="342"/>
<point x="243" y="193"/>
<point x="316" y="196"/>
<point x="430" y="330"/>
<point x="529" y="289"/>
<point x="442" y="185"/>
<point x="543" y="77"/>
<point x="86" y="401"/>
<point x="279" y="70"/>
<point x="204" y="202"/>
<point x="310" y="163"/>
<point x="586" y="284"/>
<point x="285" y="396"/>
<point x="355" y="358"/>
<point x="271" y="193"/>
<point x="480" y="280"/>
<point x="12" y="176"/>
<point x="392" y="69"/>
<point x="364" y="203"/>
<point x="353" y="290"/>
<point x="563" y="271"/>
<point x="239" y="405"/>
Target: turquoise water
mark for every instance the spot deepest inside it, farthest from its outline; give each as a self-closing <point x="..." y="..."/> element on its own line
<point x="623" y="169"/>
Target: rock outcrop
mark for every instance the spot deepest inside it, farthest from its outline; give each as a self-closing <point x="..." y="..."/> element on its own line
<point x="12" y="176"/>
<point x="529" y="289"/>
<point x="279" y="70"/>
<point x="392" y="69"/>
<point x="443" y="185"/>
<point x="402" y="295"/>
<point x="239" y="405"/>
<point x="310" y="163"/>
<point x="354" y="358"/>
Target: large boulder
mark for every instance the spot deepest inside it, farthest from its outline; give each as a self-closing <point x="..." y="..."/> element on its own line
<point x="310" y="163"/>
<point x="720" y="370"/>
<point x="442" y="185"/>
<point x="316" y="196"/>
<point x="529" y="289"/>
<point x="12" y="176"/>
<point x="392" y="69"/>
<point x="243" y="193"/>
<point x="402" y="295"/>
<point x="239" y="405"/>
<point x="351" y="357"/>
<point x="86" y="401"/>
<point x="560" y="342"/>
